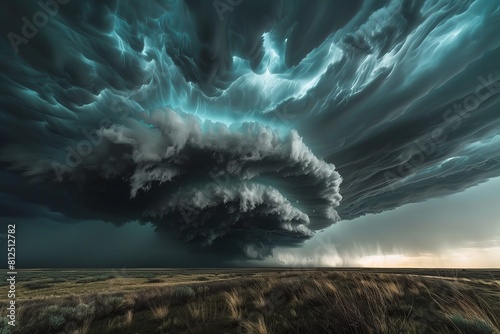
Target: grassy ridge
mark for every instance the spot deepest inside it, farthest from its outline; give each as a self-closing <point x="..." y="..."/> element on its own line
<point x="295" y="301"/>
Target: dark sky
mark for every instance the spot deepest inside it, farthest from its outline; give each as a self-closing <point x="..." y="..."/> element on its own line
<point x="185" y="133"/>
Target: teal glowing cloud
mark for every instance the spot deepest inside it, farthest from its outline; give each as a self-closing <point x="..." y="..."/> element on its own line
<point x="136" y="110"/>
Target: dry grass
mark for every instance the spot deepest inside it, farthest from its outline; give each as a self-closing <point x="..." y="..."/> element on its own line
<point x="466" y="310"/>
<point x="234" y="302"/>
<point x="260" y="301"/>
<point x="121" y="322"/>
<point x="256" y="326"/>
<point x="128" y="318"/>
<point x="159" y="310"/>
<point x="277" y="302"/>
<point x="198" y="310"/>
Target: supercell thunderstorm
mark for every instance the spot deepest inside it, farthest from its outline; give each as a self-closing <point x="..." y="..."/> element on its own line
<point x="245" y="125"/>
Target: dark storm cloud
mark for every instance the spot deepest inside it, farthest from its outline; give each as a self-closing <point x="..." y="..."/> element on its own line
<point x="235" y="28"/>
<point x="410" y="109"/>
<point x="221" y="121"/>
<point x="207" y="179"/>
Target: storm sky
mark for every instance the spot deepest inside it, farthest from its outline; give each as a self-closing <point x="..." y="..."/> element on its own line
<point x="238" y="132"/>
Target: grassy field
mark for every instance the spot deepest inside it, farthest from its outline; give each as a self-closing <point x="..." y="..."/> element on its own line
<point x="255" y="301"/>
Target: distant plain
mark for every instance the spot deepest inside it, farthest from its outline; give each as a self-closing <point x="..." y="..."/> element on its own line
<point x="257" y="300"/>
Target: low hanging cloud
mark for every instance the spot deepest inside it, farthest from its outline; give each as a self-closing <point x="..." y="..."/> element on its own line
<point x="205" y="180"/>
<point x="213" y="179"/>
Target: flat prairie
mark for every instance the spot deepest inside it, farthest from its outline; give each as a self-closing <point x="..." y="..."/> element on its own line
<point x="256" y="300"/>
